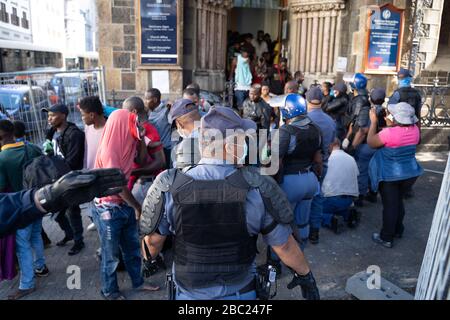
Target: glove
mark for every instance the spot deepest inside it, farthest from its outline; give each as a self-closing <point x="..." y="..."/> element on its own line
<point x="345" y="144"/>
<point x="78" y="187"/>
<point x="308" y="285"/>
<point x="48" y="147"/>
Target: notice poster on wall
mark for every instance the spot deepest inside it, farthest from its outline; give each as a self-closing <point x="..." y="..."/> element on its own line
<point x="158" y="24"/>
<point x="384" y="39"/>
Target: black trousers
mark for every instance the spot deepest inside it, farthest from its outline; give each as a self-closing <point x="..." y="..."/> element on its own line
<point x="393" y="208"/>
<point x="71" y="223"/>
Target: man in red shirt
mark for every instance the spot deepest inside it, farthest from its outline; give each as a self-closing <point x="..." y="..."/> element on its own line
<point x="152" y="160"/>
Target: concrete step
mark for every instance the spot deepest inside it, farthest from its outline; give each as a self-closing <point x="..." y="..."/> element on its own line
<point x="360" y="285"/>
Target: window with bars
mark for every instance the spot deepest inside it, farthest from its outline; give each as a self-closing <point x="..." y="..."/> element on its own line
<point x="25" y="23"/>
<point x="15" y="18"/>
<point x="4" y="16"/>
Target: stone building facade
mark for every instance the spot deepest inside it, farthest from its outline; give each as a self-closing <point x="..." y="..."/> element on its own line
<point x="320" y="33"/>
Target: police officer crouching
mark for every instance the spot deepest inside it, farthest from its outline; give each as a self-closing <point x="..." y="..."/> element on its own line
<point x="215" y="211"/>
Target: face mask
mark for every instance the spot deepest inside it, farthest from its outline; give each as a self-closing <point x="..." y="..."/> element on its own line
<point x="241" y="160"/>
<point x="182" y="133"/>
<point x="405" y="82"/>
<point x="332" y="93"/>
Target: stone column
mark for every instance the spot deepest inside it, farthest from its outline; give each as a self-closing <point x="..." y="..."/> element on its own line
<point x="302" y="51"/>
<point x="318" y="22"/>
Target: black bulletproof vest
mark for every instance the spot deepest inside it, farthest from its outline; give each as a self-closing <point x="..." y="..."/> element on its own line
<point x="212" y="243"/>
<point x="308" y="141"/>
<point x="412" y="97"/>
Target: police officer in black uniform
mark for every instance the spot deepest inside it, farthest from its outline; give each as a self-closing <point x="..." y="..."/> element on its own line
<point x="355" y="142"/>
<point x="405" y="93"/>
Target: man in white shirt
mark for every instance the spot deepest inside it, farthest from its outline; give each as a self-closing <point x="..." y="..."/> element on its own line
<point x="91" y="109"/>
<point x="260" y="44"/>
<point x="339" y="189"/>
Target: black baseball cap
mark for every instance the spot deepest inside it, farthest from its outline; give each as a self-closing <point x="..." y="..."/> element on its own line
<point x="59" y="107"/>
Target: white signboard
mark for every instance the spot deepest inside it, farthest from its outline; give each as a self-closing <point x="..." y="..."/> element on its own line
<point x="160" y="80"/>
<point x="341" y="64"/>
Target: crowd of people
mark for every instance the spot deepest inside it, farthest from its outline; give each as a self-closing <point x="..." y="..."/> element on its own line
<point x="339" y="145"/>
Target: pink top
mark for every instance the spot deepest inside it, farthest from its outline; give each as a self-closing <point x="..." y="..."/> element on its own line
<point x="118" y="146"/>
<point x="395" y="137"/>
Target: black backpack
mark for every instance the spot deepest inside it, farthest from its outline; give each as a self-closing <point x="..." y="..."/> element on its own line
<point x="44" y="170"/>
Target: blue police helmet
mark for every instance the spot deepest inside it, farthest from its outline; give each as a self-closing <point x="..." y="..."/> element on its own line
<point x="294" y="106"/>
<point x="359" y="81"/>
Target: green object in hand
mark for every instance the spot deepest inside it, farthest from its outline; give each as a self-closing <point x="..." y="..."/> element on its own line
<point x="48" y="147"/>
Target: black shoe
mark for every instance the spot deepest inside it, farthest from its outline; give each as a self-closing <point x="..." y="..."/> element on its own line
<point x="77" y="247"/>
<point x="354" y="218"/>
<point x="377" y="239"/>
<point x="41" y="273"/>
<point x="337" y="224"/>
<point x="63" y="242"/>
<point x="371" y="197"/>
<point x="359" y="202"/>
<point x="314" y="236"/>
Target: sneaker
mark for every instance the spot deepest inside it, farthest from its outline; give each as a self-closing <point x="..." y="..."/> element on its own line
<point x="63" y="242"/>
<point x="337" y="224"/>
<point x="41" y="273"/>
<point x="314" y="236"/>
<point x="91" y="227"/>
<point x="77" y="247"/>
<point x="377" y="239"/>
<point x="114" y="296"/>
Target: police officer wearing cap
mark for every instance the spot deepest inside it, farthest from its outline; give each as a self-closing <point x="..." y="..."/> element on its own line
<point x="405" y="93"/>
<point x="300" y="153"/>
<point x="215" y="211"/>
<point x="187" y="117"/>
<point x="356" y="140"/>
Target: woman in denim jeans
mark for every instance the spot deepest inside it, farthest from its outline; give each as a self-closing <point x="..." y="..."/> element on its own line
<point x="116" y="216"/>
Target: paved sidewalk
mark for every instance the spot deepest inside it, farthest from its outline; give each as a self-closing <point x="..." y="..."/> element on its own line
<point x="333" y="260"/>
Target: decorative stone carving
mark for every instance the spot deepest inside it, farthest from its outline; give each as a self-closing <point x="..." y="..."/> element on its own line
<point x="302" y="6"/>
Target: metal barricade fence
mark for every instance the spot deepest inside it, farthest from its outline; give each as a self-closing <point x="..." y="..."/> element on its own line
<point x="24" y="94"/>
<point x="434" y="277"/>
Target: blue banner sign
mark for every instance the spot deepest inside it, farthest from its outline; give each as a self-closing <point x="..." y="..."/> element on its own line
<point x="385" y="30"/>
<point x="159" y="32"/>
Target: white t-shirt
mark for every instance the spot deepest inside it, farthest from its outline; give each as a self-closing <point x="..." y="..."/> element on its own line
<point x="92" y="142"/>
<point x="260" y="48"/>
<point x="342" y="176"/>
